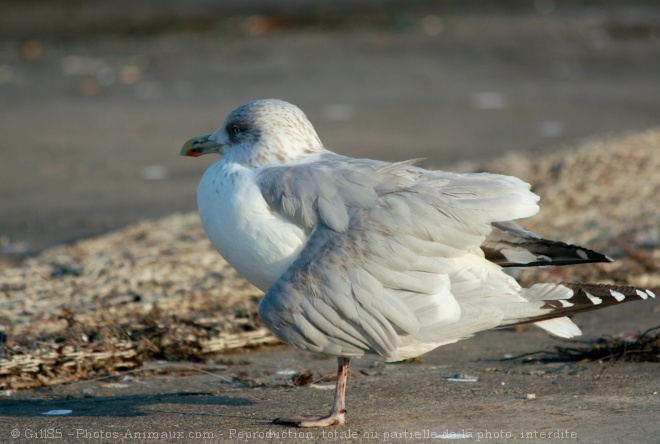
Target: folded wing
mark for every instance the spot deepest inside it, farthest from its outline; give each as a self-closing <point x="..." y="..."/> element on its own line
<point x="393" y="265"/>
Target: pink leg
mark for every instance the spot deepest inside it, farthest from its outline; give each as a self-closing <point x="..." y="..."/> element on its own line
<point x="337" y="415"/>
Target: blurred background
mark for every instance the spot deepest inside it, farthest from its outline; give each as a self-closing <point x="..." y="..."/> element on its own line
<point x="97" y="96"/>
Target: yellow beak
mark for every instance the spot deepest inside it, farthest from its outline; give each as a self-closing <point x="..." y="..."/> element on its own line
<point x="197" y="146"/>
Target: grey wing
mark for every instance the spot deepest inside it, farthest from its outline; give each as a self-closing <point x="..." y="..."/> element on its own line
<point x="393" y="266"/>
<point x="321" y="191"/>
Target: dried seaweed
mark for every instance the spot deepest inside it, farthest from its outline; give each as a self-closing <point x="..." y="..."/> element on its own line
<point x="642" y="348"/>
<point x="88" y="352"/>
<point x="631" y="348"/>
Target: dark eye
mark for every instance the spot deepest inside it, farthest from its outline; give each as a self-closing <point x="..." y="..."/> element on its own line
<point x="235" y="129"/>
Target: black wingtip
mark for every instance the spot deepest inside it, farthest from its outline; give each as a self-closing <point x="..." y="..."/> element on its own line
<point x="548" y="252"/>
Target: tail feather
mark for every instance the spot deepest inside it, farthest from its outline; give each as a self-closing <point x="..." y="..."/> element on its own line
<point x="508" y="245"/>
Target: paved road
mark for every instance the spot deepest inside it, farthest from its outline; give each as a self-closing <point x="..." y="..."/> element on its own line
<point x="95" y="106"/>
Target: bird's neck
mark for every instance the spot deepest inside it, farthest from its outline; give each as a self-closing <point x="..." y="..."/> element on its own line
<point x="263" y="155"/>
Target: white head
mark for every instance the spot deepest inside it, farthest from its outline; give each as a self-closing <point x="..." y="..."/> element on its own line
<point x="259" y="133"/>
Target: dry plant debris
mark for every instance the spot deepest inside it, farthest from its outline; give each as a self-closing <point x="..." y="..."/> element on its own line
<point x="157" y="290"/>
<point x="642" y="348"/>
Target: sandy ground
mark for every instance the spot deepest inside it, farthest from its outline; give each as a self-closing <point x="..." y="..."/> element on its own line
<point x="93" y="119"/>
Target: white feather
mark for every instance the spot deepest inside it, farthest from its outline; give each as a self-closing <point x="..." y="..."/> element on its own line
<point x="562" y="327"/>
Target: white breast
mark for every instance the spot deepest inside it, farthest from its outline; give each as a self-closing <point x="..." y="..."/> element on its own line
<point x="259" y="244"/>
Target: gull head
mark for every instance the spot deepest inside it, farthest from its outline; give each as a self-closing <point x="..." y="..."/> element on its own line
<point x="259" y="133"/>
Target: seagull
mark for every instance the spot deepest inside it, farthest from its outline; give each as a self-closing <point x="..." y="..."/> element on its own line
<point x="362" y="258"/>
